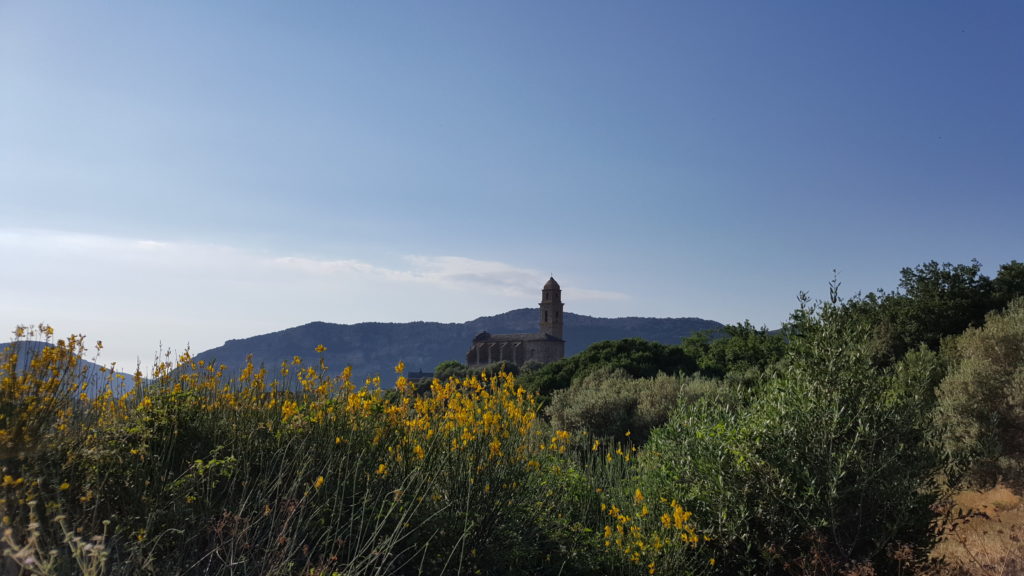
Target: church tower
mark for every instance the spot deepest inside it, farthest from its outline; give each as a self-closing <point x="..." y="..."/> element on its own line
<point x="551" y="309"/>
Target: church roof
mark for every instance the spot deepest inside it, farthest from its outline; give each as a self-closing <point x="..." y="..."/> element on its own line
<point x="538" y="337"/>
<point x="552" y="285"/>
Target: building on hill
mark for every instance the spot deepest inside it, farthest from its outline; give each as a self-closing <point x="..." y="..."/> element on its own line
<point x="544" y="346"/>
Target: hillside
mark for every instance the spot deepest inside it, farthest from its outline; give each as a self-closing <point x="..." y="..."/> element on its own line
<point x="373" y="348"/>
<point x="94" y="376"/>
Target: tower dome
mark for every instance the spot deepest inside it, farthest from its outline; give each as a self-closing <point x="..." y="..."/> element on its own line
<point x="552" y="285"/>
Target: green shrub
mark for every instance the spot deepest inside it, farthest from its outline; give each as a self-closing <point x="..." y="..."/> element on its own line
<point x="452" y="369"/>
<point x="611" y="403"/>
<point x="634" y="356"/>
<point x="979" y="418"/>
<point x="828" y="460"/>
<point x="740" y="350"/>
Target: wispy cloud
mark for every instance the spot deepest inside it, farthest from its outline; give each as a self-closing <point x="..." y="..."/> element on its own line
<point x="142" y="292"/>
<point x="459" y="272"/>
<point x="452" y="272"/>
<point x="340" y="268"/>
<point x="447" y="272"/>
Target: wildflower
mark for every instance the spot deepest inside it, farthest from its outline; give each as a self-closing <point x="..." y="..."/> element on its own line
<point x="320" y="349"/>
<point x="319" y="482"/>
<point x="289" y="408"/>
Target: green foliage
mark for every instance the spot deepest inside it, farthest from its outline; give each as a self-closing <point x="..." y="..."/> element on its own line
<point x="742" y="350"/>
<point x="1008" y="284"/>
<point x="979" y="417"/>
<point x="934" y="301"/>
<point x="827" y="459"/>
<point x="943" y="300"/>
<point x="450" y="369"/>
<point x="633" y="356"/>
<point x="610" y="403"/>
<point x="530" y="366"/>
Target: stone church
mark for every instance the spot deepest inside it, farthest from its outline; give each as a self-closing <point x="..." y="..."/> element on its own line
<point x="544" y="346"/>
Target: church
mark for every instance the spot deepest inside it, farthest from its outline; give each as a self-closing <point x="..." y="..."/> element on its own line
<point x="544" y="346"/>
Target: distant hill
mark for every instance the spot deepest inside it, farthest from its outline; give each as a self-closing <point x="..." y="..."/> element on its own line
<point x="93" y="375"/>
<point x="373" y="348"/>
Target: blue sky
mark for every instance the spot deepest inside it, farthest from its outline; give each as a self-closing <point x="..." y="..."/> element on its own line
<point x="183" y="173"/>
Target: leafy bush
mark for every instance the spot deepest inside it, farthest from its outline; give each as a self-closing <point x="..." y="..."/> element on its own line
<point x="979" y="417"/>
<point x="611" y="524"/>
<point x="828" y="460"/>
<point x="1008" y="285"/>
<point x="740" y="350"/>
<point x="934" y="301"/>
<point x="452" y="369"/>
<point x="633" y="356"/>
<point x="610" y="403"/>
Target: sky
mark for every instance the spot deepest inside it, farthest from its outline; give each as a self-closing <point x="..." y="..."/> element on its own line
<point x="176" y="174"/>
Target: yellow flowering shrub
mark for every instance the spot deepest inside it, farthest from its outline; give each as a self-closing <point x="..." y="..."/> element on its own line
<point x="297" y="470"/>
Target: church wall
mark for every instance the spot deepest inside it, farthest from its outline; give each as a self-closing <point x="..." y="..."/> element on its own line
<point x="481" y="353"/>
<point x="545" y="351"/>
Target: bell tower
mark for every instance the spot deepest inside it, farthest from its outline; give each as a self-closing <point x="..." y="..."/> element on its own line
<point x="551" y="309"/>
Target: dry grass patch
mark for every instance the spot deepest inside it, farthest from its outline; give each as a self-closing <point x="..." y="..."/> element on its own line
<point x="989" y="539"/>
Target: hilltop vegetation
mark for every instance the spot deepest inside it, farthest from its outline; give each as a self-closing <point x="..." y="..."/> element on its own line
<point x="829" y="447"/>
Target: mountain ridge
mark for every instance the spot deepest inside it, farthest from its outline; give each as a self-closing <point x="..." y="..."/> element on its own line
<point x="373" y="348"/>
<point x="96" y="377"/>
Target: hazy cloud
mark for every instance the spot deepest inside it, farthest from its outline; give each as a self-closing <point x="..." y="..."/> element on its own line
<point x="142" y="292"/>
<point x="451" y="272"/>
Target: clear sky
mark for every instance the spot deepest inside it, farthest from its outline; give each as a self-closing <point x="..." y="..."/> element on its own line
<point x="182" y="173"/>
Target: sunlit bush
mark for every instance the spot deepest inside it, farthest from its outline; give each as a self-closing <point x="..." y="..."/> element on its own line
<point x="610" y="403"/>
<point x="827" y="460"/>
<point x="980" y="411"/>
